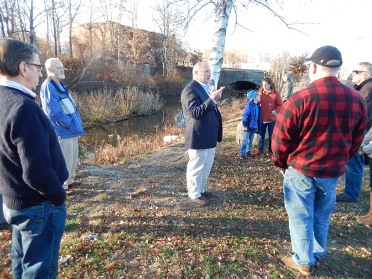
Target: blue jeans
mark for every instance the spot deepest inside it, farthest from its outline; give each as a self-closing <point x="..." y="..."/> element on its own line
<point x="36" y="238"/>
<point x="309" y="202"/>
<point x="261" y="141"/>
<point x="246" y="146"/>
<point x="353" y="177"/>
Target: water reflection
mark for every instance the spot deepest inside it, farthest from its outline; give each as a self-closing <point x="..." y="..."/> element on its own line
<point x="170" y="115"/>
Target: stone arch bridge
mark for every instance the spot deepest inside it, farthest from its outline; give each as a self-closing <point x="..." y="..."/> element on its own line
<point x="236" y="81"/>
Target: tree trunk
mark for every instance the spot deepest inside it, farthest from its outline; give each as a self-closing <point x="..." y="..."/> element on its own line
<point x="70" y="22"/>
<point x="222" y="11"/>
<point x="32" y="35"/>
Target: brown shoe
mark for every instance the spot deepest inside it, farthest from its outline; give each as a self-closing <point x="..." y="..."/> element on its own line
<point x="257" y="152"/>
<point x="200" y="201"/>
<point x="368" y="215"/>
<point x="304" y="269"/>
<point x="207" y="195"/>
<point x="365" y="221"/>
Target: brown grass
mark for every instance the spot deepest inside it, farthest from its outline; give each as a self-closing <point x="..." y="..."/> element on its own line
<point x="131" y="147"/>
<point x="100" y="105"/>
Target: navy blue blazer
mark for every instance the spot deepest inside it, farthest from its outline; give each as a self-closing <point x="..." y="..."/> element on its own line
<point x="202" y="118"/>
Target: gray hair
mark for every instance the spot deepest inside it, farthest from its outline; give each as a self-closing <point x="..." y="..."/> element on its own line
<point x="49" y="62"/>
<point x="198" y="66"/>
<point x="12" y="53"/>
<point x="367" y="65"/>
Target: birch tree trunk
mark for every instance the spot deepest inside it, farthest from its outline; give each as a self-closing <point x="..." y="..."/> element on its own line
<point x="222" y="12"/>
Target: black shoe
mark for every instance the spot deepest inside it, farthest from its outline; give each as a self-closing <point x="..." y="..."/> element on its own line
<point x="342" y="198"/>
<point x="207" y="195"/>
<point x="73" y="185"/>
<point x="317" y="263"/>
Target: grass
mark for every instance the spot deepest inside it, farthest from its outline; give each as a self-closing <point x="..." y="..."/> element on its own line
<point x="101" y="106"/>
<point x="148" y="229"/>
<point x="131" y="147"/>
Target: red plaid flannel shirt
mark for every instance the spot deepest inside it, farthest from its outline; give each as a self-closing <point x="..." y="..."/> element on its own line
<point x="319" y="128"/>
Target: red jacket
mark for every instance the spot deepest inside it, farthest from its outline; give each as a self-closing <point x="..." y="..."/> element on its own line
<point x="269" y="102"/>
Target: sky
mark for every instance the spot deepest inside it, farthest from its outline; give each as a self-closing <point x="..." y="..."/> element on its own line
<point x="344" y="24"/>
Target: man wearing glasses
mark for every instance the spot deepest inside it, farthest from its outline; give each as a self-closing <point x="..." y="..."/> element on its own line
<point x="362" y="80"/>
<point x="312" y="142"/>
<point x="59" y="106"/>
<point x="32" y="167"/>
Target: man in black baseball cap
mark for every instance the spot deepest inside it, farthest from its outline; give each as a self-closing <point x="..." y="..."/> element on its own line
<point x="311" y="143"/>
<point x="327" y="56"/>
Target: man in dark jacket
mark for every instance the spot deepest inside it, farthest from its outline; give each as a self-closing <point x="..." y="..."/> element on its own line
<point x="362" y="80"/>
<point x="203" y="130"/>
<point x="32" y="168"/>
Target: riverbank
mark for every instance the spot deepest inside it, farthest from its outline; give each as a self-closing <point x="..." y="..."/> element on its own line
<point x="134" y="220"/>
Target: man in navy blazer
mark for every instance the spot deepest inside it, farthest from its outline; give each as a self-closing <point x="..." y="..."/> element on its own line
<point x="203" y="130"/>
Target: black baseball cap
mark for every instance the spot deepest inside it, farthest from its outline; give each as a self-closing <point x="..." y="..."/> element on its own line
<point x="327" y="56"/>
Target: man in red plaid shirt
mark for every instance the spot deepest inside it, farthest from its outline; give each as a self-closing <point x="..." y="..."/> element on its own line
<point x="317" y="130"/>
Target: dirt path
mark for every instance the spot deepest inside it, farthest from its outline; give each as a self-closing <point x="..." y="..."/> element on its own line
<point x="157" y="179"/>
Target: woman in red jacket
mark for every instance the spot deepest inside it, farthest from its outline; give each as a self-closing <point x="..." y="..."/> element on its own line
<point x="271" y="103"/>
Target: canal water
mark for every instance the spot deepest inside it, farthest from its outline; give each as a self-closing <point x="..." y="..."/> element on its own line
<point x="134" y="126"/>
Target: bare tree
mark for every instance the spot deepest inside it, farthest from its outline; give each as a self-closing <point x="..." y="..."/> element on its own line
<point x="132" y="11"/>
<point x="169" y="19"/>
<point x="7" y="18"/>
<point x="73" y="10"/>
<point x="221" y="12"/>
<point x="56" y="12"/>
<point x="18" y="19"/>
<point x="32" y="34"/>
<point x="112" y="11"/>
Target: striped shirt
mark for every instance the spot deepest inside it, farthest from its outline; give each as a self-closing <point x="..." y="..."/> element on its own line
<point x="319" y="128"/>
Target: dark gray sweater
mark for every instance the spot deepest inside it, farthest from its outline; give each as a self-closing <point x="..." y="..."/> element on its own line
<point x="32" y="167"/>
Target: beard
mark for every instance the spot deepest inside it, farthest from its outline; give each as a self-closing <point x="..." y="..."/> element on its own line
<point x="59" y="76"/>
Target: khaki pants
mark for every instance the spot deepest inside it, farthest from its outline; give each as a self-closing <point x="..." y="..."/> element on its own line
<point x="70" y="150"/>
<point x="198" y="168"/>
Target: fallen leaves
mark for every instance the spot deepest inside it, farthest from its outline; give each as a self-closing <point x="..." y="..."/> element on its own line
<point x="113" y="265"/>
<point x="135" y="221"/>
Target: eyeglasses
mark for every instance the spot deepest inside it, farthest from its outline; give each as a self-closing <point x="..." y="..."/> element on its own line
<point x="357" y="72"/>
<point x="40" y="67"/>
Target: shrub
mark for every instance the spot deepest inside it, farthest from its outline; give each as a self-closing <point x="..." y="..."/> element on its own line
<point x="129" y="148"/>
<point x="100" y="105"/>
